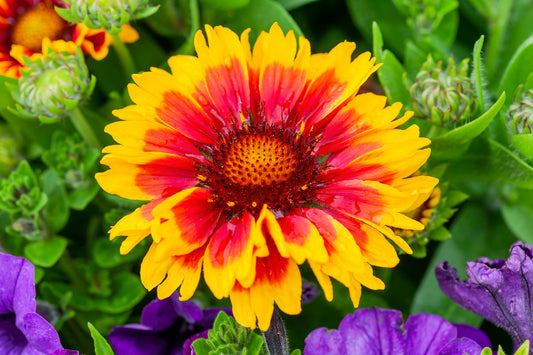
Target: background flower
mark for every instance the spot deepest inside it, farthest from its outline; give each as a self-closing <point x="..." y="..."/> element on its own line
<point x="258" y="178"/>
<point x="498" y="290"/>
<point x="22" y="330"/>
<point x="379" y="331"/>
<point x="167" y="326"/>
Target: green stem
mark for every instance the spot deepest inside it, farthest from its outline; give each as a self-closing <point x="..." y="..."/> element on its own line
<point x="275" y="337"/>
<point x="188" y="46"/>
<point x="83" y="127"/>
<point x="124" y="56"/>
<point x="498" y="23"/>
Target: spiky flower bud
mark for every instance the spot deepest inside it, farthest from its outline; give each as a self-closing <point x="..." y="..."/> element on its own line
<point x="520" y="114"/>
<point x="20" y="192"/>
<point x="443" y="96"/>
<point x="110" y="15"/>
<point x="52" y="86"/>
<point x="228" y="337"/>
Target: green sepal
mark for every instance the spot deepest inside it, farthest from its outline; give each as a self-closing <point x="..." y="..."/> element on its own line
<point x="477" y="75"/>
<point x="45" y="253"/>
<point x="523" y="143"/>
<point x="101" y="346"/>
<point x="454" y="143"/>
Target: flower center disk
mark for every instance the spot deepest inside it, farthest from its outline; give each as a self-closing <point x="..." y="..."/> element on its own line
<point x="37" y="23"/>
<point x="259" y="165"/>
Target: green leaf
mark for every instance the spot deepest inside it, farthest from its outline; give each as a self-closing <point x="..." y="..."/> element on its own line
<point x="45" y="253"/>
<point x="392" y="72"/>
<point x="225" y="4"/>
<point x="296" y="352"/>
<point x="496" y="162"/>
<point x="293" y="4"/>
<point x="448" y="144"/>
<point x="477" y="73"/>
<point x="486" y="351"/>
<point x="523" y="349"/>
<point x="101" y="346"/>
<point x="476" y="232"/>
<point x="391" y="21"/>
<point x="262" y="13"/>
<point x="519" y="219"/>
<point x="79" y="199"/>
<point x="56" y="212"/>
<point x="519" y="67"/>
<point x="106" y="253"/>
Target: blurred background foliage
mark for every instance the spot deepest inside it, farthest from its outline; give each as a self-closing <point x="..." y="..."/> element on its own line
<point x="464" y="68"/>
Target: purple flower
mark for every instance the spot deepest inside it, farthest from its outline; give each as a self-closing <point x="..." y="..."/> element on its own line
<point x="499" y="290"/>
<point x="378" y="331"/>
<point x="22" y="330"/>
<point x="168" y="326"/>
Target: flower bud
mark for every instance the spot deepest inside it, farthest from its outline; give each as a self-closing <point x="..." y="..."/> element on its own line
<point x="110" y="15"/>
<point x="20" y="192"/>
<point x="444" y="97"/>
<point x="52" y="86"/>
<point x="520" y="114"/>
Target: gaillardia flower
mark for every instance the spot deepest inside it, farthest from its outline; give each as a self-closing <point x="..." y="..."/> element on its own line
<point x="25" y="24"/>
<point x="255" y="161"/>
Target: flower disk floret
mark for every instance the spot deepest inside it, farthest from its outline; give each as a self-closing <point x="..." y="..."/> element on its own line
<point x="255" y="160"/>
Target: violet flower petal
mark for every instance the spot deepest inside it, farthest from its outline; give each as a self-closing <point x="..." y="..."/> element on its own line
<point x="133" y="339"/>
<point x="158" y="314"/>
<point x="378" y="331"/>
<point x="41" y="334"/>
<point x="499" y="291"/>
<point x="188" y="349"/>
<point x="468" y="331"/>
<point x="428" y="334"/>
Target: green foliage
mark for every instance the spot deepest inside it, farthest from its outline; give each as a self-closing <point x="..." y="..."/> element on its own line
<point x="101" y="346"/>
<point x="228" y="337"/>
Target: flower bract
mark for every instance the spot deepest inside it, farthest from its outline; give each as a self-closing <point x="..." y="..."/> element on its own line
<point x="255" y="161"/>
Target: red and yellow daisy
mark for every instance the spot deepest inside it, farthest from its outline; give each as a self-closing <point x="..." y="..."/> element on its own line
<point x="255" y="161"/>
<point x="28" y="25"/>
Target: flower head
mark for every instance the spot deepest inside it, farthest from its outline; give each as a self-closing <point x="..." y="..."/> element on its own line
<point x="498" y="290"/>
<point x="22" y="330"/>
<point x="255" y="161"/>
<point x="28" y="25"/>
<point x="52" y="86"/>
<point x="110" y="15"/>
<point x="520" y="114"/>
<point x="443" y="96"/>
<point x="167" y="326"/>
<point x="378" y="331"/>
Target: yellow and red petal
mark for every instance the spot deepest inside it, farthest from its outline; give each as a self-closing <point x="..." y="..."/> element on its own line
<point x="277" y="281"/>
<point x="136" y="226"/>
<point x="231" y="255"/>
<point x="277" y="73"/>
<point x="185" y="222"/>
<point x="93" y="42"/>
<point x="183" y="274"/>
<point x="295" y="236"/>
<point x="223" y="61"/>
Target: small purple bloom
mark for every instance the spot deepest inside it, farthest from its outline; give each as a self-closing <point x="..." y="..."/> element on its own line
<point x="168" y="326"/>
<point x="378" y="331"/>
<point x="499" y="290"/>
<point x="22" y="330"/>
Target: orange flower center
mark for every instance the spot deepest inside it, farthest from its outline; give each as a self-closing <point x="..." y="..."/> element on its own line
<point x="259" y="160"/>
<point x="36" y="24"/>
<point x="261" y="165"/>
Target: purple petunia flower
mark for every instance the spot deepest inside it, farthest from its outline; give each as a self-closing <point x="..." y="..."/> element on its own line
<point x="168" y="326"/>
<point x="22" y="330"/>
<point x="378" y="331"/>
<point x="500" y="291"/>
